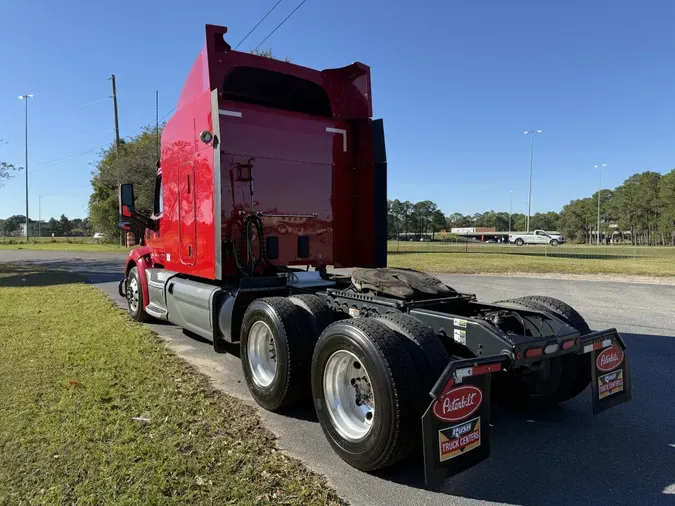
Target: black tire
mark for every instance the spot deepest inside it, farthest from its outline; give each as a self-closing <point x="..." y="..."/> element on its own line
<point x="583" y="362"/>
<point x="293" y="345"/>
<point x="317" y="312"/>
<point x="424" y="347"/>
<point x="396" y="427"/>
<point x="563" y="310"/>
<point x="138" y="312"/>
<point x="519" y="242"/>
<point x="555" y="242"/>
<point x="574" y="370"/>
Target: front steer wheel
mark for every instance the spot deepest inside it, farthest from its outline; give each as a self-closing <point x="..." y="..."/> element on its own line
<point x="365" y="387"/>
<point x="134" y="295"/>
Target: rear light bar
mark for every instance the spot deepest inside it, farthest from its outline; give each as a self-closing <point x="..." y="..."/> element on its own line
<point x="597" y="346"/>
<point x="533" y="353"/>
<point x="551" y="348"/>
<point x="568" y="344"/>
<point x="478" y="370"/>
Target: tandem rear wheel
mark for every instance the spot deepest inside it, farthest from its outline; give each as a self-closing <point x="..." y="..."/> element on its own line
<point x="569" y="374"/>
<point x="277" y="340"/>
<point x="363" y="385"/>
<point x="369" y="377"/>
<point x="370" y="383"/>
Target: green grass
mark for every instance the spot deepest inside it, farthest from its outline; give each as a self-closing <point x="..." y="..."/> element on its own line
<point x="565" y="250"/>
<point x="60" y="244"/>
<point x="478" y="258"/>
<point x="500" y="263"/>
<point x="75" y="371"/>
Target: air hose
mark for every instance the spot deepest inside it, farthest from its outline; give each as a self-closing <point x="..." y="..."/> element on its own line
<point x="253" y="222"/>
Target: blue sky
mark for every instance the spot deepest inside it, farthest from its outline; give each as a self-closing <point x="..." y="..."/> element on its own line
<point x="457" y="82"/>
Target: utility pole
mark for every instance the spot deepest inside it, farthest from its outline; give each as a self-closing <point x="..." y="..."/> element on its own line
<point x="39" y="214"/>
<point x="26" y="97"/>
<point x="117" y="125"/>
<point x="529" y="198"/>
<point x="117" y="140"/>
<point x="599" y="192"/>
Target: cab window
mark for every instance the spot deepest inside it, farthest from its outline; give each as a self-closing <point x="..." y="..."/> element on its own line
<point x="276" y="90"/>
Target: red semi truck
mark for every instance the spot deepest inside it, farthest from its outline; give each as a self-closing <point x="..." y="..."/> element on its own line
<point x="270" y="173"/>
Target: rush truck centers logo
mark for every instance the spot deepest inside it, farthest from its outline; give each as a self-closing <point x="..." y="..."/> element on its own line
<point x="609" y="384"/>
<point x="609" y="359"/>
<point x="458" y="404"/>
<point x="459" y="439"/>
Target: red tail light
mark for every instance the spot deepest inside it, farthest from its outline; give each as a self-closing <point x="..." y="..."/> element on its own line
<point x="533" y="352"/>
<point x="568" y="344"/>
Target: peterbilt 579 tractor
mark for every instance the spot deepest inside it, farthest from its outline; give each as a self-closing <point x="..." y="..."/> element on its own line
<point x="271" y="175"/>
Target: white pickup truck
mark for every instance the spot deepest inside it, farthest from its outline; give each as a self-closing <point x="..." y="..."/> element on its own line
<point x="536" y="237"/>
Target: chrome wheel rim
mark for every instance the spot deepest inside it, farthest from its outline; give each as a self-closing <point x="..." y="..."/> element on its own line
<point x="133" y="295"/>
<point x="262" y="354"/>
<point x="349" y="396"/>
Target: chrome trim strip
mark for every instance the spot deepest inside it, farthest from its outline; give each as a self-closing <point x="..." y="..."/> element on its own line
<point x="217" y="210"/>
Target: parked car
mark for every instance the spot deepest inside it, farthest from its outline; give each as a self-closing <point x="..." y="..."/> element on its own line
<point x="536" y="237"/>
<point x="98" y="236"/>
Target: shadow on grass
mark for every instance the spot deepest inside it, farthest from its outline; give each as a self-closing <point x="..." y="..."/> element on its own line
<point x="13" y="276"/>
<point x="622" y="456"/>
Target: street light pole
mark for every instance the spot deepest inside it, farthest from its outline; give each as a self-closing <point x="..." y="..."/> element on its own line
<point x="39" y="214"/>
<point x="510" y="208"/>
<point x="599" y="192"/>
<point x="529" y="197"/>
<point x="26" y="97"/>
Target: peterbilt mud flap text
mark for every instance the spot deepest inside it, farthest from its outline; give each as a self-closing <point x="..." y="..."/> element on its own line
<point x="610" y="377"/>
<point x="455" y="426"/>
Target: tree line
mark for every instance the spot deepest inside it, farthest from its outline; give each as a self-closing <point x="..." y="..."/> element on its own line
<point x="426" y="219"/>
<point x="63" y="227"/>
<point x="640" y="211"/>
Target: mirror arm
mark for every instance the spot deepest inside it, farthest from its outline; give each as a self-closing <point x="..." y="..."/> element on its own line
<point x="140" y="223"/>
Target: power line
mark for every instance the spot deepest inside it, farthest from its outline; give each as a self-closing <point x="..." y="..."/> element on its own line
<point x="173" y="109"/>
<point x="62" y="160"/>
<point x="258" y="24"/>
<point x="279" y="25"/>
<point x="91" y="103"/>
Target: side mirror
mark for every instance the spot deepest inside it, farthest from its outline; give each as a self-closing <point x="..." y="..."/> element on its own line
<point x="130" y="220"/>
<point x="126" y="197"/>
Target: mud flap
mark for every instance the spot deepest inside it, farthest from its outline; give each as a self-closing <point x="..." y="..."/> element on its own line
<point x="456" y="425"/>
<point x="610" y="369"/>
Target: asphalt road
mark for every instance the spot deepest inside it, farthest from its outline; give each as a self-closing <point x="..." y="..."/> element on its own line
<point x="567" y="456"/>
